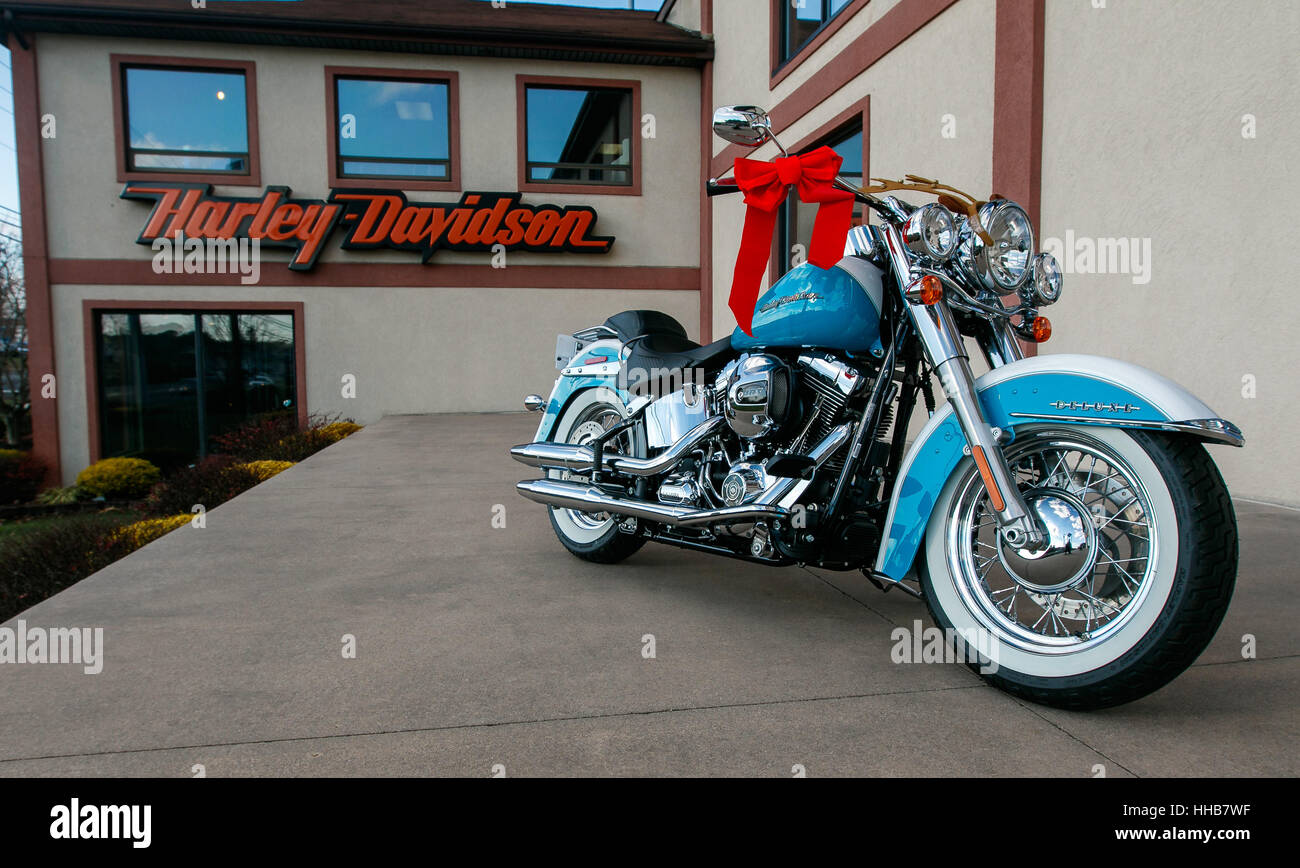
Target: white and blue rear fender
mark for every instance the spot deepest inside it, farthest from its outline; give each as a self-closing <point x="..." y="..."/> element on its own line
<point x="1064" y="389"/>
<point x="596" y="366"/>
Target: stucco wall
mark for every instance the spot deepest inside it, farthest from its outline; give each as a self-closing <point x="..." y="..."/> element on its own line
<point x="1143" y="107"/>
<point x="910" y="97"/>
<point x="419" y="349"/>
<point x="87" y="220"/>
<point x="412" y="350"/>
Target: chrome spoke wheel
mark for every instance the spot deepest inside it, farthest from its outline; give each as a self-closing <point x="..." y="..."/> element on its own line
<point x="1094" y="574"/>
<point x="590" y="426"/>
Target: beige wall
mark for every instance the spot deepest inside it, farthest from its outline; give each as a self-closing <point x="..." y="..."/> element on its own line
<point x="1142" y="138"/>
<point x="412" y="350"/>
<point x="910" y="95"/>
<point x="87" y="220"/>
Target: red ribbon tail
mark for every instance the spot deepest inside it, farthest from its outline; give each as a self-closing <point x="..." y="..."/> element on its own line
<point x="830" y="232"/>
<point x="755" y="244"/>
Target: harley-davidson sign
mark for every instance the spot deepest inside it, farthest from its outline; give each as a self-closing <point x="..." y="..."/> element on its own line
<point x="371" y="219"/>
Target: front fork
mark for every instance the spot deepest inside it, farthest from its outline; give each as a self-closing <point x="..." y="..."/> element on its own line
<point x="946" y="352"/>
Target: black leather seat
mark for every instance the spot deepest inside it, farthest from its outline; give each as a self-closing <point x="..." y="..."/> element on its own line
<point x="658" y="341"/>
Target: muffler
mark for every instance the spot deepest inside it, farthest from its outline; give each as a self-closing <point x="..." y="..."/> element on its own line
<point x="588" y="498"/>
<point x="585" y="497"/>
<point x="564" y="456"/>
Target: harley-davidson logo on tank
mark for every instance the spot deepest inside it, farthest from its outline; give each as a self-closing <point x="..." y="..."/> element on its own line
<point x="371" y="219"/>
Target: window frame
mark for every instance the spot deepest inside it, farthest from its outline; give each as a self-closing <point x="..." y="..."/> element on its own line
<point x="780" y="68"/>
<point x="524" y="81"/>
<point x="384" y="73"/>
<point x="847" y="121"/>
<point x="93" y="308"/>
<point x="121" y="62"/>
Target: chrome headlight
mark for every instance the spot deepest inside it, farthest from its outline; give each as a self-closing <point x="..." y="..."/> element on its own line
<point x="1004" y="265"/>
<point x="1047" y="279"/>
<point x="931" y="231"/>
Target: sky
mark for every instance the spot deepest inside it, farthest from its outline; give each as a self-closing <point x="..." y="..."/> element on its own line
<point x="8" y="156"/>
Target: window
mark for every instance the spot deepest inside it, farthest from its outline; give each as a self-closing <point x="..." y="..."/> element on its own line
<point x="578" y="135"/>
<point x="180" y="119"/>
<point x="799" y="20"/>
<point x="393" y="128"/>
<point x="795" y="219"/>
<point x="170" y="381"/>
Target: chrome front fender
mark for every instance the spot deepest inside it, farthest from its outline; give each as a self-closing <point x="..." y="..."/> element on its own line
<point x="1066" y="389"/>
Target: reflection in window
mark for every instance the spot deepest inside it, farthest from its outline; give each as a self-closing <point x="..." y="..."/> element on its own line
<point x="800" y="19"/>
<point x="578" y="135"/>
<point x="393" y="129"/>
<point x="170" y="382"/>
<point x="795" y="220"/>
<point x="185" y="120"/>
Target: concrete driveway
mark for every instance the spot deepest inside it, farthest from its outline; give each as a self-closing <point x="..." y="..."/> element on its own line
<point x="480" y="647"/>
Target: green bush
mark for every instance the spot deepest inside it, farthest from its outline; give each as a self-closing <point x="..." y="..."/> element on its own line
<point x="20" y="476"/>
<point x="38" y="563"/>
<point x="119" y="478"/>
<point x="60" y="496"/>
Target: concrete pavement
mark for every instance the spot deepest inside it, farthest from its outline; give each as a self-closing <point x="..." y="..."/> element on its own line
<point x="481" y="646"/>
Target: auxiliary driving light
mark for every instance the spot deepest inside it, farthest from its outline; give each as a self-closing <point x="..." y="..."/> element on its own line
<point x="931" y="232"/>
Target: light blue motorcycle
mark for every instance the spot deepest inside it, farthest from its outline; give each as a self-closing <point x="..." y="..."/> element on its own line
<point x="1060" y="515"/>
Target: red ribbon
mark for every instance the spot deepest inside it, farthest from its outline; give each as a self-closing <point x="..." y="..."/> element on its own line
<point x="766" y="186"/>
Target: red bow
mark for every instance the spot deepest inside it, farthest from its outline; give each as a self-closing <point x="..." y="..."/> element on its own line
<point x="765" y="186"/>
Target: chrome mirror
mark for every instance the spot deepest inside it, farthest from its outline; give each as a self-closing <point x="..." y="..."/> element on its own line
<point x="746" y="125"/>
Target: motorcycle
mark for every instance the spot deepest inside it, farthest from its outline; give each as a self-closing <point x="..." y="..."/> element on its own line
<point x="1060" y="515"/>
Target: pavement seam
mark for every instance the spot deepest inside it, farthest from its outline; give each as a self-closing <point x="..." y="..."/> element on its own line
<point x="486" y="725"/>
<point x="857" y="600"/>
<point x="1076" y="738"/>
<point x="1244" y="660"/>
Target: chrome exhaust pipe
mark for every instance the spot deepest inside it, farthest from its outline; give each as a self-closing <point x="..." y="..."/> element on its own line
<point x="564" y="456"/>
<point x="773" y="503"/>
<point x="588" y="498"/>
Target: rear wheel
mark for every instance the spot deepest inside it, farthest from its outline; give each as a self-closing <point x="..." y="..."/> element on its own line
<point x="1137" y="582"/>
<point x="591" y="536"/>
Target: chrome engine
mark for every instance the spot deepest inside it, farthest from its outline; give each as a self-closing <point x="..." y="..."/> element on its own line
<point x="759" y="395"/>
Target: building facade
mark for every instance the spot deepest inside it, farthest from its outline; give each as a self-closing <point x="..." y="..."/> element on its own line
<point x="1138" y="135"/>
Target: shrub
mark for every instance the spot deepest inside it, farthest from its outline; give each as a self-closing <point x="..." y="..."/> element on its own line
<point x="252" y="440"/>
<point x="336" y="431"/>
<point x="278" y="438"/>
<point x="121" y="541"/>
<point x="211" y="482"/>
<point x="20" y="476"/>
<point x="264" y="470"/>
<point x="39" y="563"/>
<point x="124" y="478"/>
<point x="60" y="496"/>
<point x="299" y="446"/>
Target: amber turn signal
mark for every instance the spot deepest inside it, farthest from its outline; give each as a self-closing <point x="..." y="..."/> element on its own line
<point x="1042" y="329"/>
<point x="929" y="290"/>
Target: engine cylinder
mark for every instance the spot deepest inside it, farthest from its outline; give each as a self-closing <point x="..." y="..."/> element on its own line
<point x="759" y="394"/>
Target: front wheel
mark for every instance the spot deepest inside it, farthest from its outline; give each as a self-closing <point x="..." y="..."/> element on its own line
<point x="1135" y="582"/>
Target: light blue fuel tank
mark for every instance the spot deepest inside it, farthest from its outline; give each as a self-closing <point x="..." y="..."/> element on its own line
<point x="836" y="308"/>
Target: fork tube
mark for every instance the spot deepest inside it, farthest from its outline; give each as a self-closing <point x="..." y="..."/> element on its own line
<point x="946" y="352"/>
<point x="870" y="418"/>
